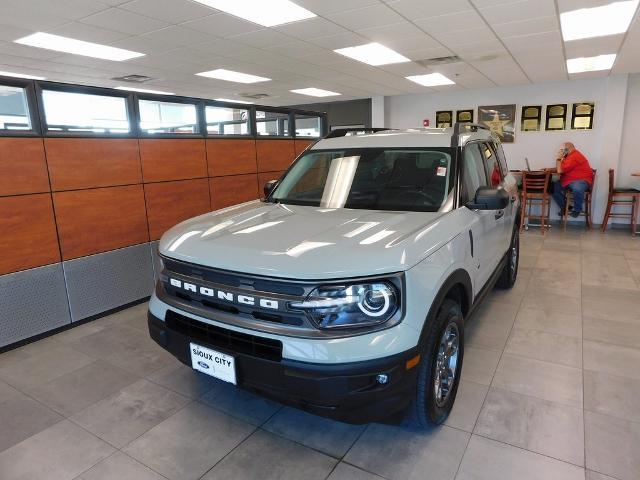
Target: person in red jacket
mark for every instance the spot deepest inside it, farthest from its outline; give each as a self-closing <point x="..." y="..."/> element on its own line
<point x="575" y="175"/>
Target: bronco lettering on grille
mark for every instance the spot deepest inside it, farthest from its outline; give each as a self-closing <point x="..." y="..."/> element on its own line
<point x="226" y="296"/>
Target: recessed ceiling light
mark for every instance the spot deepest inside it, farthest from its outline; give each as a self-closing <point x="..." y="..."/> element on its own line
<point x="315" y="92"/>
<point x="266" y="13"/>
<point x="231" y="76"/>
<point x="609" y="19"/>
<point x="144" y="90"/>
<point x="20" y="75"/>
<point x="77" y="47"/>
<point x="431" y="80"/>
<point x="591" y="64"/>
<point x="373" y="54"/>
<point x="233" y="101"/>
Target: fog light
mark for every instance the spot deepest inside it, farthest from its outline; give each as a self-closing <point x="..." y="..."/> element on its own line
<point x="382" y="379"/>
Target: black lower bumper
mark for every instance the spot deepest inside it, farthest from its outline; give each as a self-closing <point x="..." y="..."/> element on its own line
<point x="349" y="392"/>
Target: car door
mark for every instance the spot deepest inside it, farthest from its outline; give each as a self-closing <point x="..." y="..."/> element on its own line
<point x="485" y="229"/>
<point x="495" y="175"/>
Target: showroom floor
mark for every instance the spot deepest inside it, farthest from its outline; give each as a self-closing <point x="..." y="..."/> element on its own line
<point x="551" y="382"/>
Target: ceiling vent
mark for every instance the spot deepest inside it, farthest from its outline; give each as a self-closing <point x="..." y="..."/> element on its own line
<point x="133" y="78"/>
<point x="253" y="96"/>
<point x="429" y="62"/>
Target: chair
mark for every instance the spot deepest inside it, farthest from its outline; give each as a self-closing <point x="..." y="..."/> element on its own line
<point x="588" y="195"/>
<point x="621" y="196"/>
<point x="535" y="191"/>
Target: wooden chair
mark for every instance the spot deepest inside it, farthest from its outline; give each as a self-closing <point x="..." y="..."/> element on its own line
<point x="588" y="196"/>
<point x="535" y="192"/>
<point x="621" y="196"/>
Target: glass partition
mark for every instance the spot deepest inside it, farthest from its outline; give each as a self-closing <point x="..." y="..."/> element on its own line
<point x="227" y="120"/>
<point x="168" y="117"/>
<point x="275" y="124"/>
<point x="308" y="126"/>
<point x="14" y="110"/>
<point x="83" y="112"/>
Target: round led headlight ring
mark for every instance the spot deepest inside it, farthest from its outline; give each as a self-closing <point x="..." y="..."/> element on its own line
<point x="375" y="301"/>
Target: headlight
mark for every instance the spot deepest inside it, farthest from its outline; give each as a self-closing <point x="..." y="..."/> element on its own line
<point x="359" y="305"/>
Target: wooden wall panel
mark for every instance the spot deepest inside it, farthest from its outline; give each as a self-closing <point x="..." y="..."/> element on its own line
<point x="274" y="155"/>
<point x="166" y="159"/>
<point x="300" y="145"/>
<point x="76" y="163"/>
<point x="98" y="220"/>
<point x="227" y="191"/>
<point x="28" y="236"/>
<point x="23" y="168"/>
<point x="231" y="157"/>
<point x="169" y="203"/>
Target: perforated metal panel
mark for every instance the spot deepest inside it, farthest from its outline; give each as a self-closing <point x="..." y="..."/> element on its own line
<point x="32" y="302"/>
<point x="108" y="280"/>
<point x="156" y="259"/>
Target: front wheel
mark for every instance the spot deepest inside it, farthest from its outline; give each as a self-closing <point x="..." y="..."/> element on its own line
<point x="510" y="272"/>
<point x="440" y="367"/>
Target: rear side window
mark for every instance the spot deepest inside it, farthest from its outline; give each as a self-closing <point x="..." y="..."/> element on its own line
<point x="473" y="172"/>
<point x="491" y="165"/>
<point x="502" y="159"/>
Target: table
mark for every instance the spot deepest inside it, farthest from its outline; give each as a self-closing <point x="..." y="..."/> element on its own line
<point x="635" y="174"/>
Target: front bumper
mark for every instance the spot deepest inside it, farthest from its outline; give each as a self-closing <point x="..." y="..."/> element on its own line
<point x="348" y="392"/>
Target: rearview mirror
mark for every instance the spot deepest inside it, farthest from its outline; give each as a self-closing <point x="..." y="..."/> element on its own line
<point x="488" y="198"/>
<point x="269" y="186"/>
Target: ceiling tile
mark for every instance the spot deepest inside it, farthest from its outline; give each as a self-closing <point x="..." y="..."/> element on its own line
<point x="568" y="5"/>
<point x="414" y="9"/>
<point x="454" y="22"/>
<point x="124" y="21"/>
<point x="367" y="17"/>
<point x="263" y="38"/>
<point x="10" y="33"/>
<point x="170" y="11"/>
<point x="590" y="47"/>
<point x="222" y="25"/>
<point x="334" y="42"/>
<point x="523" y="10"/>
<point x="327" y="7"/>
<point x="311" y="28"/>
<point x="88" y="33"/>
<point x="534" y="43"/>
<point x="527" y="27"/>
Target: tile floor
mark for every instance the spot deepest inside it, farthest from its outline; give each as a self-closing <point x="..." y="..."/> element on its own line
<point x="550" y="390"/>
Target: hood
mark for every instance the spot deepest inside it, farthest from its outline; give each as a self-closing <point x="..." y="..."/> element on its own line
<point x="303" y="242"/>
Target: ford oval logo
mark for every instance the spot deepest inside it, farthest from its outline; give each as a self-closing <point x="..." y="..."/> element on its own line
<point x="203" y="365"/>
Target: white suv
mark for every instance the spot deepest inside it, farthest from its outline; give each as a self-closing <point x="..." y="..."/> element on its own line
<point x="346" y="290"/>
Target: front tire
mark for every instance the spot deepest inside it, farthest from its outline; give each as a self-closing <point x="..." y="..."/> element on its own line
<point x="440" y="367"/>
<point x="509" y="274"/>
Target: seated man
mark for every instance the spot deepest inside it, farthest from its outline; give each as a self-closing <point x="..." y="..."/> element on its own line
<point x="575" y="175"/>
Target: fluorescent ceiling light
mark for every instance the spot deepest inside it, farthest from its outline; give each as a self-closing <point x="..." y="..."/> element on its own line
<point x="231" y="76"/>
<point x="233" y="101"/>
<point x="609" y="19"/>
<point x="144" y="90"/>
<point x="591" y="64"/>
<point x="431" y="80"/>
<point x="267" y="13"/>
<point x="20" y="75"/>
<point x="315" y="92"/>
<point x="373" y="54"/>
<point x="77" y="47"/>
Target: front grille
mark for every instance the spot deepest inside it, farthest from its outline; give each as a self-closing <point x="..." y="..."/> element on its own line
<point x="230" y="340"/>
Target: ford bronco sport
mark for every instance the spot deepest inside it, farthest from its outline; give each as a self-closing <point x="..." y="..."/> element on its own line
<point x="345" y="291"/>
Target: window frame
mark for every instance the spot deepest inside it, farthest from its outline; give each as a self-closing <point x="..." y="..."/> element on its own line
<point x="297" y="114"/>
<point x="243" y="106"/>
<point x="290" y="119"/>
<point x="198" y="103"/>
<point x="32" y="108"/>
<point x="463" y="165"/>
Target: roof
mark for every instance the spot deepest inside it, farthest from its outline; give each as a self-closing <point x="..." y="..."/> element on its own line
<point x="419" y="137"/>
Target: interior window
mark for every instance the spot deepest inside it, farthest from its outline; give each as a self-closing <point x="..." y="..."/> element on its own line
<point x="167" y="117"/>
<point x="491" y="165"/>
<point x="473" y="172"/>
<point x="14" y="113"/>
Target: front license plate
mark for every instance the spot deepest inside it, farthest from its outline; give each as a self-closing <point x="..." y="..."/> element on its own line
<point x="213" y="363"/>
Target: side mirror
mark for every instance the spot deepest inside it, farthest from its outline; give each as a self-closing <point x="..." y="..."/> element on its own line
<point x="488" y="198"/>
<point x="269" y="186"/>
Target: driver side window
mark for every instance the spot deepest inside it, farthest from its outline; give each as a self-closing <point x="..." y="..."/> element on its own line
<point x="473" y="173"/>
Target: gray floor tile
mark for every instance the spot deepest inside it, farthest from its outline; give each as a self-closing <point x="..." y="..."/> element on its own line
<point x="75" y="391"/>
<point x="551" y="303"/>
<point x="466" y="409"/>
<point x="126" y="415"/>
<point x="62" y="451"/>
<point x="612" y="359"/>
<point x="533" y="424"/>
<point x="490" y="326"/>
<point x="487" y="459"/>
<point x="119" y="467"/>
<point x="329" y="436"/>
<point x="479" y="364"/>
<point x="556" y="281"/>
<point x="569" y="325"/>
<point x="240" y="403"/>
<point x="548" y="381"/>
<point x="78" y="332"/>
<point x="344" y="471"/>
<point x="21" y="417"/>
<point x="43" y="367"/>
<point x="559" y="260"/>
<point x="135" y="317"/>
<point x="545" y="346"/>
<point x="607" y="270"/>
<point x="267" y="456"/>
<point x="6" y="391"/>
<point x="612" y="395"/>
<point x="612" y="446"/>
<point x="616" y="330"/>
<point x="183" y="380"/>
<point x="404" y="453"/>
<point x="604" y="302"/>
<point x="191" y="441"/>
<point x="591" y="475"/>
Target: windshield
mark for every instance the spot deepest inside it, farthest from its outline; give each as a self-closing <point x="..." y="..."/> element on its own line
<point x="369" y="178"/>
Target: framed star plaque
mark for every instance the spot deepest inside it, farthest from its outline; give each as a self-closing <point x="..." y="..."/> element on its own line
<point x="501" y="120"/>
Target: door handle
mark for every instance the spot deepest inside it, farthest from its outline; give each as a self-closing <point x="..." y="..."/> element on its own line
<point x="499" y="214"/>
<point x="513" y="198"/>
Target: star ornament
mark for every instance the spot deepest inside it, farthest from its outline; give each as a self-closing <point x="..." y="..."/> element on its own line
<point x="496" y="125"/>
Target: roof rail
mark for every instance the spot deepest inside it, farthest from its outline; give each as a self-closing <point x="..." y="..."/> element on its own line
<point x="461" y="127"/>
<point x="343" y="132"/>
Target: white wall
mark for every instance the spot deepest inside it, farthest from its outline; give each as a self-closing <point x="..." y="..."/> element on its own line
<point x="603" y="145"/>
